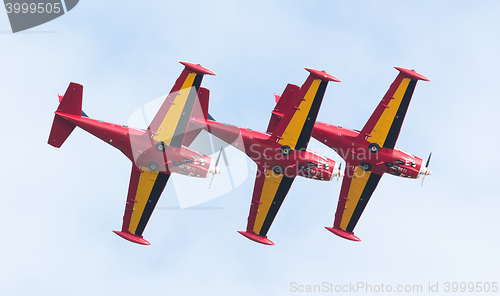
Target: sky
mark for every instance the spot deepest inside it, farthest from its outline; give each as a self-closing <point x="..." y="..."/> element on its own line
<point x="59" y="206"/>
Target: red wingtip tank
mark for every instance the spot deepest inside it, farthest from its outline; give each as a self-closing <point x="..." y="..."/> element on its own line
<point x="132" y="237"/>
<point x="412" y="74"/>
<point x="322" y="75"/>
<point x="198" y="68"/>
<point x="344" y="234"/>
<point x="257" y="238"/>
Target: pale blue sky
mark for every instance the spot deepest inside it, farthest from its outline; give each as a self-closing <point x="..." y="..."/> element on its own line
<point x="60" y="205"/>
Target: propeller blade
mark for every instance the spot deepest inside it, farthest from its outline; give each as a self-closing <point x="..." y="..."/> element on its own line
<point x="225" y="157"/>
<point x="340" y="170"/>
<point x="427" y="166"/>
<point x="218" y="157"/>
<point x="216" y="163"/>
<point x="211" y="180"/>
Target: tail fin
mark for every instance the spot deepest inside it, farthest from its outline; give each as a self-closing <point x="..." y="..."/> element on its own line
<point x="200" y="111"/>
<point x="170" y="122"/>
<point x="294" y="118"/>
<point x="203" y="98"/>
<point x="71" y="103"/>
<point x="282" y="102"/>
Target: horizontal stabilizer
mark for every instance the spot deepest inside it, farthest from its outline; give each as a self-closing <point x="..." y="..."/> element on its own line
<point x="61" y="129"/>
<point x="70" y="103"/>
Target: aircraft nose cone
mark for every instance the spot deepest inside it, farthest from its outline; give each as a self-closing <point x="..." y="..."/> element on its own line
<point x="213" y="169"/>
<point x="428" y="172"/>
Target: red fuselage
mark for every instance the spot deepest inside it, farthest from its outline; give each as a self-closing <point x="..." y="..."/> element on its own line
<point x="354" y="150"/>
<point x="143" y="150"/>
<point x="268" y="153"/>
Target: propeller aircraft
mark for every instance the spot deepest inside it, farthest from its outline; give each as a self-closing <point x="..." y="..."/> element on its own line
<point x="371" y="152"/>
<point x="281" y="152"/>
<point x="155" y="153"/>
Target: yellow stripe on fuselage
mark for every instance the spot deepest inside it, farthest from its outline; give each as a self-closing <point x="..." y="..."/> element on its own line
<point x="146" y="182"/>
<point x="167" y="127"/>
<point x="269" y="189"/>
<point x="358" y="184"/>
<point x="296" y="124"/>
<point x="383" y="125"/>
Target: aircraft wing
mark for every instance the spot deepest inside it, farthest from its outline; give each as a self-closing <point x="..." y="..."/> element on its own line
<point x="144" y="192"/>
<point x="357" y="188"/>
<point x="269" y="193"/>
<point x="170" y="123"/>
<point x="297" y="118"/>
<point x="385" y="123"/>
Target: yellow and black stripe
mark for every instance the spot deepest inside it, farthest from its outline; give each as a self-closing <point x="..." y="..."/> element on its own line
<point x="354" y="196"/>
<point x="391" y="112"/>
<point x="392" y="135"/>
<point x="281" y="193"/>
<point x="150" y="185"/>
<point x="299" y="127"/>
<point x="269" y="195"/>
<point x="179" y="105"/>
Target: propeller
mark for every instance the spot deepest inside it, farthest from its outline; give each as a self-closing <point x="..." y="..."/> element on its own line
<point x="427" y="172"/>
<point x="340" y="170"/>
<point x="215" y="168"/>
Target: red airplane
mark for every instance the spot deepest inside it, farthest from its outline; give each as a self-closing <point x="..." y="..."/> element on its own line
<point x="281" y="152"/>
<point x="155" y="153"/>
<point x="371" y="152"/>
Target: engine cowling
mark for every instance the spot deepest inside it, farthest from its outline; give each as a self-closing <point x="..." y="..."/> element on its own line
<point x="320" y="169"/>
<point x="182" y="161"/>
<point x="406" y="166"/>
